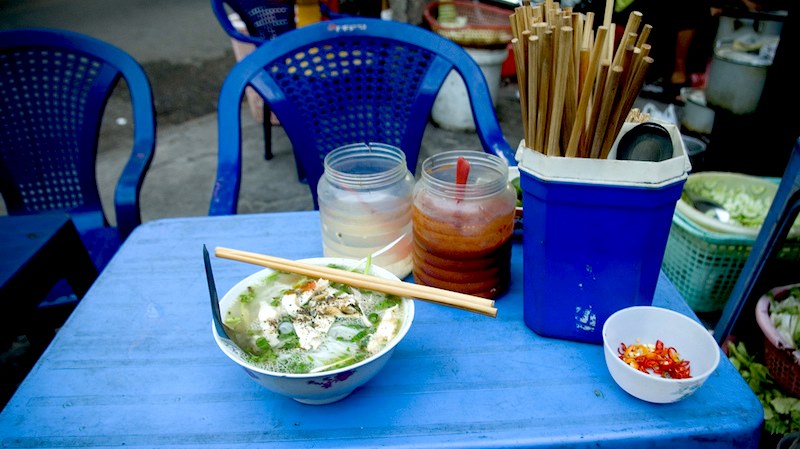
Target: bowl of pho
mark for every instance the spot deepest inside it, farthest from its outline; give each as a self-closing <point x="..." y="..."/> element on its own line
<point x="311" y="339"/>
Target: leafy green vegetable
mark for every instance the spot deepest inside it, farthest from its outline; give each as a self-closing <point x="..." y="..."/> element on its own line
<point x="781" y="412"/>
<point x="515" y="183"/>
<point x="785" y="315"/>
<point x="748" y="205"/>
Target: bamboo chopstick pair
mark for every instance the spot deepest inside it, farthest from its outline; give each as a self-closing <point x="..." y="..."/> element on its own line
<point x="405" y="289"/>
<point x="576" y="90"/>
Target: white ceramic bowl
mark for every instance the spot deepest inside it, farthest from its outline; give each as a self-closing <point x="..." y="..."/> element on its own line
<point x="323" y="387"/>
<point x="647" y="324"/>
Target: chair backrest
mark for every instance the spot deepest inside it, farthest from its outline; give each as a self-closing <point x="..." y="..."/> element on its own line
<point x="347" y="81"/>
<point x="264" y="19"/>
<point x="54" y="86"/>
<point x="782" y="214"/>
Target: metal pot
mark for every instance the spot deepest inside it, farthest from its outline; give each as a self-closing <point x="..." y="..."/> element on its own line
<point x="696" y="116"/>
<point x="736" y="78"/>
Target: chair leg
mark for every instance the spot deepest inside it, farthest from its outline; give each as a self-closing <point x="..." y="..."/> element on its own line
<point x="267" y="124"/>
<point x="782" y="213"/>
<point x="301" y="174"/>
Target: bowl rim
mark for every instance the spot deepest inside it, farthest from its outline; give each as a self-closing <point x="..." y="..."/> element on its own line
<point x="233" y="353"/>
<point x="652" y="378"/>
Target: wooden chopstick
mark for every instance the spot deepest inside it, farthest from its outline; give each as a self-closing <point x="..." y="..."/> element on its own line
<point x="522" y="77"/>
<point x="609" y="95"/>
<point x="533" y="92"/>
<point x="435" y="295"/>
<point x="586" y="94"/>
<point x="545" y="75"/>
<point x="575" y="91"/>
<point x="563" y="47"/>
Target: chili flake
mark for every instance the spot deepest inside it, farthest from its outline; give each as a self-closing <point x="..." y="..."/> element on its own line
<point x="655" y="359"/>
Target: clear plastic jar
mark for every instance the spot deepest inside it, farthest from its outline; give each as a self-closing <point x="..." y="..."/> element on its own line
<point x="462" y="233"/>
<point x="365" y="204"/>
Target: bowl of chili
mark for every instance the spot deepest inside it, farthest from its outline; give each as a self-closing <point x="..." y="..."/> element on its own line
<point x="658" y="355"/>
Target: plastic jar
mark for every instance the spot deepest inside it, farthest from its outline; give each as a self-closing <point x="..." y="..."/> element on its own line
<point x="365" y="204"/>
<point x="462" y="233"/>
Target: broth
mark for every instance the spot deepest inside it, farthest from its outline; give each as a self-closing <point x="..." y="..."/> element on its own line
<point x="290" y="323"/>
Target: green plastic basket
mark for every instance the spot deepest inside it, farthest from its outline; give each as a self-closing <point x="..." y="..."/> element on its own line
<point x="705" y="265"/>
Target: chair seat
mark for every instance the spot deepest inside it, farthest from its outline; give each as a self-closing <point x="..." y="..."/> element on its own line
<point x="101" y="243"/>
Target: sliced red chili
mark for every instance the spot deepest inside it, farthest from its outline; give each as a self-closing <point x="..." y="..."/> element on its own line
<point x="658" y="359"/>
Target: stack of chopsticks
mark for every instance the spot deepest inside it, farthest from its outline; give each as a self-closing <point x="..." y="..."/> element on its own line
<point x="576" y="89"/>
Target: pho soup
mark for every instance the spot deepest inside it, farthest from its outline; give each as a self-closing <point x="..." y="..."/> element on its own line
<point x="290" y="323"/>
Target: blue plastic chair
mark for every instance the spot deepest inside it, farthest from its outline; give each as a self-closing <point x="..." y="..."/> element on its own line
<point x="781" y="216"/>
<point x="265" y="20"/>
<point x="347" y="81"/>
<point x="54" y="86"/>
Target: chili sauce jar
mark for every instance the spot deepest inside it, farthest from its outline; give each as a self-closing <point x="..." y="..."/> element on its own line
<point x="462" y="231"/>
<point x="365" y="204"/>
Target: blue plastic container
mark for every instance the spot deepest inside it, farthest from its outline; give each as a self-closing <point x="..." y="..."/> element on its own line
<point x="591" y="248"/>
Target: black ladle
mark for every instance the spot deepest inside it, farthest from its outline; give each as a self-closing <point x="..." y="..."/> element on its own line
<point x="646" y="141"/>
<point x="212" y="291"/>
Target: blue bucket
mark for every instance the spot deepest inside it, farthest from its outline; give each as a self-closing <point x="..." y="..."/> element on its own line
<point x="593" y="246"/>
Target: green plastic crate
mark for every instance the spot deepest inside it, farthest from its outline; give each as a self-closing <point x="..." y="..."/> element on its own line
<point x="705" y="265"/>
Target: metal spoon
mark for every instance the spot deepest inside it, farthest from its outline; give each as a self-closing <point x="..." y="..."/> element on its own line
<point x="708" y="207"/>
<point x="212" y="291"/>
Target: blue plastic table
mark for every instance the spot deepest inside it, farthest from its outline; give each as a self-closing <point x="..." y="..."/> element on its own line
<point x="136" y="366"/>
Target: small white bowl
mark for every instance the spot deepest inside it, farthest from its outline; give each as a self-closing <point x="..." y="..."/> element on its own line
<point x="647" y="324"/>
<point x="323" y="387"/>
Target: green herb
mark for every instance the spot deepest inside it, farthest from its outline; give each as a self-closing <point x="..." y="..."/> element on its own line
<point x="299" y="365"/>
<point x="781" y="412"/>
<point x="359" y="335"/>
<point x="289" y="340"/>
<point x="262" y="343"/>
<point x="368" y="265"/>
<point x="248" y="295"/>
<point x="263" y="352"/>
<point x="515" y="183"/>
<point x="232" y="320"/>
<point x="388" y="302"/>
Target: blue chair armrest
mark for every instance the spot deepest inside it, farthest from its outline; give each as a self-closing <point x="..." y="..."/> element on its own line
<point x="126" y="195"/>
<point x="225" y="194"/>
<point x="486" y="122"/>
